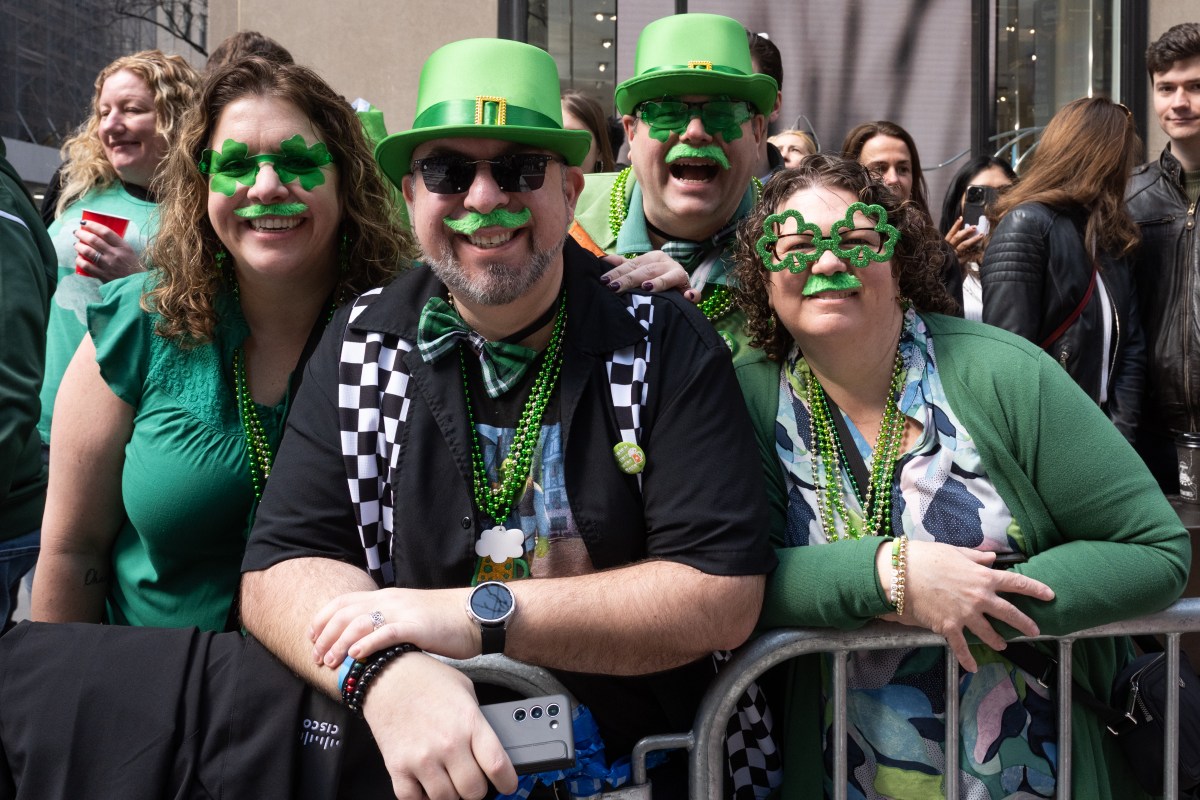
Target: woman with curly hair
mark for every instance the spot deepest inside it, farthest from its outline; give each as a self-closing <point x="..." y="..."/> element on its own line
<point x="1057" y="269"/>
<point x="172" y="410"/>
<point x="909" y="457"/>
<point x="111" y="162"/>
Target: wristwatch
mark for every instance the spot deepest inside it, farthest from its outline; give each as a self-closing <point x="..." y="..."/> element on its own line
<point x="492" y="605"/>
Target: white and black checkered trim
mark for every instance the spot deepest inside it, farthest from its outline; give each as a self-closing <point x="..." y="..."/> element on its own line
<point x="374" y="397"/>
<point x="627" y="374"/>
<point x="755" y="765"/>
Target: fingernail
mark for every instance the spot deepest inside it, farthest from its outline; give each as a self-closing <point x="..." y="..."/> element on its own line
<point x="648" y="285"/>
<point x="615" y="285"/>
<point x="83" y="223"/>
<point x="604" y="279"/>
<point x="690" y="294"/>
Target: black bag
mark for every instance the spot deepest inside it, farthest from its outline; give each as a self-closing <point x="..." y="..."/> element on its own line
<point x="1140" y="694"/>
<point x="1137" y="716"/>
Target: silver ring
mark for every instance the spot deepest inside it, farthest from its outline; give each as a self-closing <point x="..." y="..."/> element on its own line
<point x="99" y="259"/>
<point x="376" y="620"/>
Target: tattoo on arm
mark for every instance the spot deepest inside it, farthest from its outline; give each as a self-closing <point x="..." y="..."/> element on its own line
<point x="92" y="577"/>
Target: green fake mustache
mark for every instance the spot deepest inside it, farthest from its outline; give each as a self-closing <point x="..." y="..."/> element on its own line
<point x="275" y="210"/>
<point x="683" y="150"/>
<point x="837" y="282"/>
<point x="500" y="217"/>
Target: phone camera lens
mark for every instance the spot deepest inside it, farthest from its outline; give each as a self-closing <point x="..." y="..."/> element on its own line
<point x="536" y="712"/>
<point x="519" y="715"/>
<point x="552" y="709"/>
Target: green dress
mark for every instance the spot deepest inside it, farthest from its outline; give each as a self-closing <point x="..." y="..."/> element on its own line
<point x="185" y="481"/>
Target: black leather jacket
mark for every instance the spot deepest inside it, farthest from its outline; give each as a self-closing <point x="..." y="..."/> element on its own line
<point x="1035" y="273"/>
<point x="1167" y="274"/>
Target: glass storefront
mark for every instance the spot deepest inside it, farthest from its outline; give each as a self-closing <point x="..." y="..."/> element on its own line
<point x="582" y="37"/>
<point x="1049" y="52"/>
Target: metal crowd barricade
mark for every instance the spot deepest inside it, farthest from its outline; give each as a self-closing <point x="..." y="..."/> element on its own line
<point x="707" y="760"/>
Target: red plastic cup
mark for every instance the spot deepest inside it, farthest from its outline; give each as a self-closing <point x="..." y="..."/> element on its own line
<point x="116" y="224"/>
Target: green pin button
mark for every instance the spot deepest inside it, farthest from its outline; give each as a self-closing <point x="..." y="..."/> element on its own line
<point x="630" y="458"/>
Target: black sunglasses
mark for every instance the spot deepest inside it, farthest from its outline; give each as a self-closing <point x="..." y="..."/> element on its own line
<point x="516" y="172"/>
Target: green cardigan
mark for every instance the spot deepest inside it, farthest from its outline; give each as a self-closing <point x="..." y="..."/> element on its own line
<point x="1098" y="530"/>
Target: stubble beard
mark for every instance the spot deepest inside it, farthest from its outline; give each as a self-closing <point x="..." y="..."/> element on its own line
<point x="500" y="284"/>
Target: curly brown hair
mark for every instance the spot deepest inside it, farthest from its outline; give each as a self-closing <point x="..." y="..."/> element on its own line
<point x="916" y="263"/>
<point x="1083" y="159"/>
<point x="173" y="83"/>
<point x="184" y="252"/>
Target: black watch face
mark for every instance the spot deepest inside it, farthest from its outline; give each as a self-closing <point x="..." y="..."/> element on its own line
<point x="491" y="602"/>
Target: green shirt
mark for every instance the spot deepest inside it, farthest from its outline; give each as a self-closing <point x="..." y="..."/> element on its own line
<point x="186" y="480"/>
<point x="592" y="213"/>
<point x="68" y="307"/>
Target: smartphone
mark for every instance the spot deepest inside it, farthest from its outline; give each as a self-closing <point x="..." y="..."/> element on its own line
<point x="536" y="732"/>
<point x="975" y="204"/>
<point x="1006" y="560"/>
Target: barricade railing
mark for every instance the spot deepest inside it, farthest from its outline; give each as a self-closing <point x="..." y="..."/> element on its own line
<point x="707" y="758"/>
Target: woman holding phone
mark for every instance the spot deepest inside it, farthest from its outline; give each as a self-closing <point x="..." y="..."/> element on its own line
<point x="964" y="222"/>
<point x="1056" y="269"/>
<point x="110" y="163"/>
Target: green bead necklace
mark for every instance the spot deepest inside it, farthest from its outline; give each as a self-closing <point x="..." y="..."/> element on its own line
<point x="719" y="303"/>
<point x="258" y="448"/>
<point x="497" y="501"/>
<point x="827" y="448"/>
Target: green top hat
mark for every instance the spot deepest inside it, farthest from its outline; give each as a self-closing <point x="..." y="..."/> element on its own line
<point x="488" y="89"/>
<point x="695" y="54"/>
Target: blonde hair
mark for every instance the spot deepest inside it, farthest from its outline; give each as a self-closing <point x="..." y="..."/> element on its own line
<point x="173" y="83"/>
<point x="374" y="245"/>
<point x="809" y="145"/>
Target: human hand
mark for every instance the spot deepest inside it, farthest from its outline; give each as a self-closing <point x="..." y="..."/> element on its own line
<point x="101" y="253"/>
<point x="652" y="272"/>
<point x="949" y="589"/>
<point x="440" y="749"/>
<point x="966" y="240"/>
<point x="432" y="619"/>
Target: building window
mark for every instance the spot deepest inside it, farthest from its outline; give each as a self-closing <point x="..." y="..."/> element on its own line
<point x="1048" y="53"/>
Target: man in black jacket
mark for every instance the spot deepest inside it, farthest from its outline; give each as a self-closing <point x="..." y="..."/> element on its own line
<point x="1162" y="199"/>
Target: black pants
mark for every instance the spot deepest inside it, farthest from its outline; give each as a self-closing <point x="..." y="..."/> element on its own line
<point x="113" y="712"/>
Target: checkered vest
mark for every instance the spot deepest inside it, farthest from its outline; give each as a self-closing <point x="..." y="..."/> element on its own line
<point x="374" y="398"/>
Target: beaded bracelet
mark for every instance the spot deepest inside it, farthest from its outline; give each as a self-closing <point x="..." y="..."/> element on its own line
<point x="362" y="673"/>
<point x="899" y="572"/>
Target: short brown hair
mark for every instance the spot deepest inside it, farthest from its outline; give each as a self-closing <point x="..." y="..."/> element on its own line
<point x="184" y="251"/>
<point x="1177" y="44"/>
<point x="916" y="262"/>
<point x="247" y="43"/>
<point x="1083" y="159"/>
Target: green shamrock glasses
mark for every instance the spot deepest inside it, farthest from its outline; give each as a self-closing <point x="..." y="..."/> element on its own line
<point x="294" y="161"/>
<point x="718" y="116"/>
<point x="804" y="247"/>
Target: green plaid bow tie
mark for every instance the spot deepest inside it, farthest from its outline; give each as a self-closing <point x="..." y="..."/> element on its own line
<point x="440" y="331"/>
<point x="684" y="252"/>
